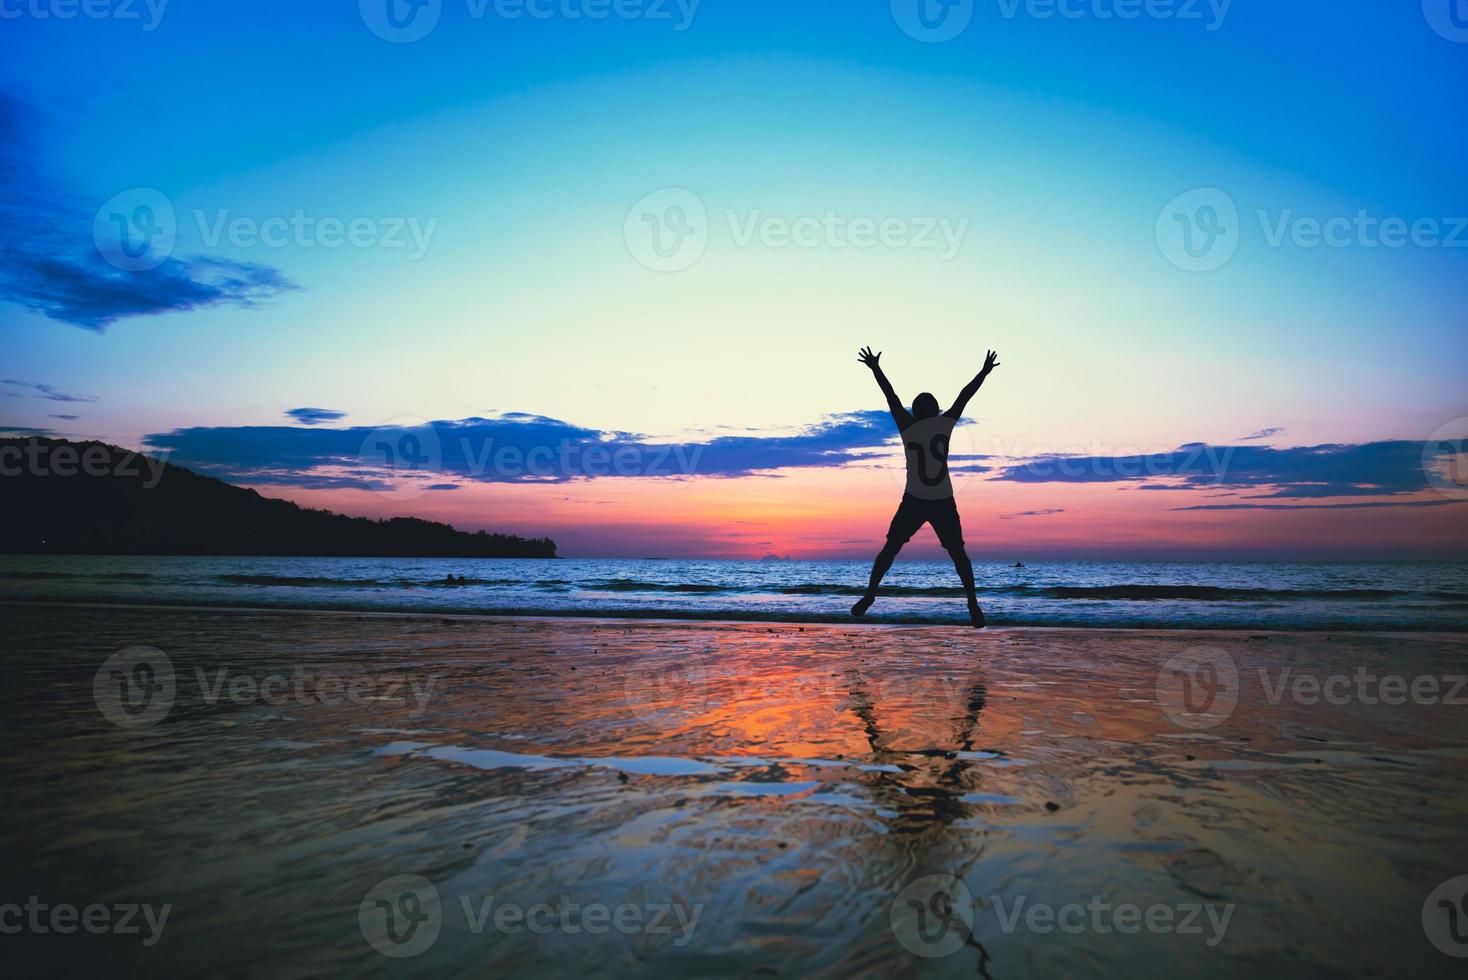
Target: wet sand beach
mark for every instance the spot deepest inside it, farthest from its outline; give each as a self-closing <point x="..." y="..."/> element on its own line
<point x="349" y="794"/>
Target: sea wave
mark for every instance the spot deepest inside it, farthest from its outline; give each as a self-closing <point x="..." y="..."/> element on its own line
<point x="40" y="576"/>
<point x="631" y="585"/>
<point x="1262" y="595"/>
<point x="302" y="581"/>
<point x="1155" y="617"/>
<point x="1122" y="592"/>
<point x="1209" y="593"/>
<point x="328" y="582"/>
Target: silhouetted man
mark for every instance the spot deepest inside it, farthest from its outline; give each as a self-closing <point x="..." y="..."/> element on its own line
<point x="929" y="495"/>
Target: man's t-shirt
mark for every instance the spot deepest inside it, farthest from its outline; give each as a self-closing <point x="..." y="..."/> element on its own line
<point x="925" y="444"/>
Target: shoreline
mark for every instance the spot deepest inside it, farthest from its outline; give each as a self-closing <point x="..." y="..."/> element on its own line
<point x="722" y="617"/>
<point x="605" y="617"/>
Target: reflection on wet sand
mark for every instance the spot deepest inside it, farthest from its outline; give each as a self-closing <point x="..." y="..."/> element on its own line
<point x="925" y="793"/>
<point x="783" y="788"/>
<point x="923" y="787"/>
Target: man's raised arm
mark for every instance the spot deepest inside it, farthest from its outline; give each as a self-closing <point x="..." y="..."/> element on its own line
<point x="900" y="414"/>
<point x="972" y="388"/>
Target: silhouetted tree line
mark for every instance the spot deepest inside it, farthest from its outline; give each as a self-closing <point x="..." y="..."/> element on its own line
<point x="63" y="497"/>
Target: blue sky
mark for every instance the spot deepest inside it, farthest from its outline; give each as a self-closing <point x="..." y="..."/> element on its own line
<point x="517" y="146"/>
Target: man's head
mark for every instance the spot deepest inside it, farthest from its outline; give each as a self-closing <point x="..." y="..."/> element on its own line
<point x="924" y="406"/>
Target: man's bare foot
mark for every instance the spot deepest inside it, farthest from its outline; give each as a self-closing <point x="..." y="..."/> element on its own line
<point x="976" y="616"/>
<point x="863" y="604"/>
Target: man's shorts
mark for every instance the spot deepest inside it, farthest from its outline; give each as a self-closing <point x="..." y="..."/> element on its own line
<point x="913" y="513"/>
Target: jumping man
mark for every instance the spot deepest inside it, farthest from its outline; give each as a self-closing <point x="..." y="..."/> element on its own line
<point x="929" y="495"/>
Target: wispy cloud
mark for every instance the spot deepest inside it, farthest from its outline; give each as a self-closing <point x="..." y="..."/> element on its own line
<point x="1352" y="505"/>
<point x="48" y="392"/>
<point x="49" y="262"/>
<point x="511" y="448"/>
<point x="1334" y="470"/>
<point x="1033" y="513"/>
<point x="1265" y="433"/>
<point x="86" y="292"/>
<point x="315" y="416"/>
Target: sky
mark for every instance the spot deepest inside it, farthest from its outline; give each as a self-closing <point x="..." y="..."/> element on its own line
<point x="348" y="253"/>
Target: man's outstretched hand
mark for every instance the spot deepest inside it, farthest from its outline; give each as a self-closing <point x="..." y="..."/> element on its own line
<point x="990" y="362"/>
<point x="871" y="360"/>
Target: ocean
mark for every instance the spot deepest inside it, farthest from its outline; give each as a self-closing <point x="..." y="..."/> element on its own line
<point x="1227" y="595"/>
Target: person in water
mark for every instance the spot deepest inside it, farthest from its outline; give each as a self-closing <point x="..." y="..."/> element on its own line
<point x="928" y="498"/>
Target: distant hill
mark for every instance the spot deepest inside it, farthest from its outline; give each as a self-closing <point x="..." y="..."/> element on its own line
<point x="63" y="497"/>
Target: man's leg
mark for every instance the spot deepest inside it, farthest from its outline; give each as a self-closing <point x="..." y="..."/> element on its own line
<point x="884" y="560"/>
<point x="902" y="529"/>
<point x="950" y="536"/>
<point x="965" y="570"/>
